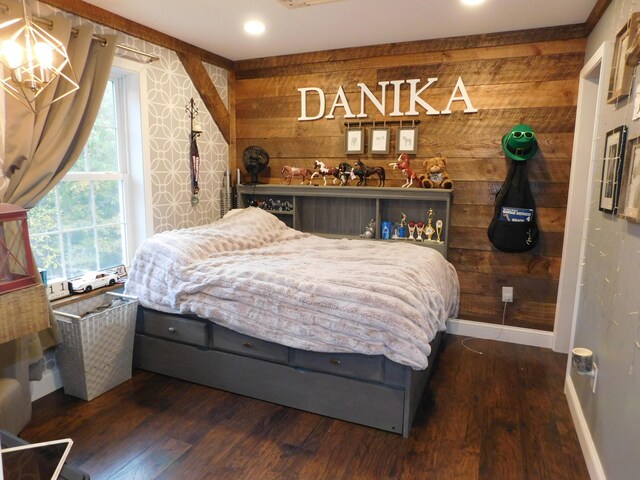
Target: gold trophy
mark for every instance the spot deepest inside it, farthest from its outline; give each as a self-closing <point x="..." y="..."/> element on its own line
<point x="429" y="230"/>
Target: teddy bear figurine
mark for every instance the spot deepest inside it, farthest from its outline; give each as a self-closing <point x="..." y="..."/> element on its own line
<point x="435" y="175"/>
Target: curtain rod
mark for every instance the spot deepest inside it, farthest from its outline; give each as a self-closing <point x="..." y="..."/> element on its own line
<point x="74" y="31"/>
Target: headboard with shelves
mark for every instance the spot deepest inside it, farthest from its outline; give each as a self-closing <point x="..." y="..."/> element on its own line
<point x="346" y="211"/>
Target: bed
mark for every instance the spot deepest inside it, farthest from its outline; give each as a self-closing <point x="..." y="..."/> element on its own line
<point x="343" y="328"/>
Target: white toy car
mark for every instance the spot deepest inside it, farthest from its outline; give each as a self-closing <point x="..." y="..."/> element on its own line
<point x="91" y="280"/>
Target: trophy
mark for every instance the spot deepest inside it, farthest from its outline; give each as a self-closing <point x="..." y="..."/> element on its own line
<point x="439" y="230"/>
<point x="420" y="226"/>
<point x="429" y="230"/>
<point x="399" y="232"/>
<point x="412" y="230"/>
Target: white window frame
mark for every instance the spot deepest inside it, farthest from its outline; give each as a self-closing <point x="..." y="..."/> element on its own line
<point x="129" y="80"/>
<point x="139" y="212"/>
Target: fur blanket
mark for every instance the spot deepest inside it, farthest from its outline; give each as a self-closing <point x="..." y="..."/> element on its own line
<point x="251" y="273"/>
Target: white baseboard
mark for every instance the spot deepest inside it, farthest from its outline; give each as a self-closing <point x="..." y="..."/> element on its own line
<point x="51" y="381"/>
<point x="596" y="472"/>
<point x="521" y="336"/>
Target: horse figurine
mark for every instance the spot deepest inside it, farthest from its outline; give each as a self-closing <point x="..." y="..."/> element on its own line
<point x="324" y="172"/>
<point x="344" y="173"/>
<point x="403" y="165"/>
<point x="289" y="172"/>
<point x="362" y="172"/>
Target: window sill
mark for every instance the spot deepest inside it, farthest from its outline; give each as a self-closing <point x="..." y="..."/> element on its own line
<point x="77" y="297"/>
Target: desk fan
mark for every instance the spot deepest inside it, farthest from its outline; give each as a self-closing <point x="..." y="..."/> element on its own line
<point x="255" y="160"/>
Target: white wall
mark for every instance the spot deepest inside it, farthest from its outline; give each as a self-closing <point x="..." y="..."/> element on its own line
<point x="608" y="320"/>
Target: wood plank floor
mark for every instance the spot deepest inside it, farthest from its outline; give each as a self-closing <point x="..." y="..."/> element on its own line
<point x="501" y="415"/>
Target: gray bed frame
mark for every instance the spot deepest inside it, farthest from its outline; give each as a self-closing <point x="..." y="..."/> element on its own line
<point x="364" y="389"/>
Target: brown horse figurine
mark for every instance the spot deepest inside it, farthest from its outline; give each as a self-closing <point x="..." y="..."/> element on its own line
<point x="343" y="173"/>
<point x="289" y="172"/>
<point x="363" y="172"/>
<point x="404" y="165"/>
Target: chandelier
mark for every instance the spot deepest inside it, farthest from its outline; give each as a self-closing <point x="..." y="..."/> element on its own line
<point x="32" y="60"/>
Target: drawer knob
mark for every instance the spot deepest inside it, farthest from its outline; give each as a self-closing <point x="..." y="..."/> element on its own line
<point x="247" y="344"/>
<point x="334" y="361"/>
<point x="172" y="329"/>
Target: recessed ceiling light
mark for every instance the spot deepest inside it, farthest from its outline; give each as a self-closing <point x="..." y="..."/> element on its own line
<point x="254" y="27"/>
<point x="472" y="2"/>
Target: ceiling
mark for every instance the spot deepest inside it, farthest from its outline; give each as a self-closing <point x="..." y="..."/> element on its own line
<point x="217" y="25"/>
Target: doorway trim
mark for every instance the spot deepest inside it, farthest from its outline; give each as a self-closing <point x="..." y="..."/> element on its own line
<point x="591" y="94"/>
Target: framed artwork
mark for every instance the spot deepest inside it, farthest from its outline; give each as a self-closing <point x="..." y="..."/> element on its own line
<point x="379" y="140"/>
<point x="354" y="141"/>
<point x="612" y="169"/>
<point x="633" y="52"/>
<point x="621" y="74"/>
<point x="407" y="140"/>
<point x="629" y="203"/>
<point x="636" y="105"/>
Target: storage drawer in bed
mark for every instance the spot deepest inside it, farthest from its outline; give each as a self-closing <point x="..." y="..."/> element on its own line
<point x="230" y="341"/>
<point x="365" y="367"/>
<point x="175" y="328"/>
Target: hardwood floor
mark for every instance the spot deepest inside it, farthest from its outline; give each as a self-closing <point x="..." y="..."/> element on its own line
<point x="501" y="415"/>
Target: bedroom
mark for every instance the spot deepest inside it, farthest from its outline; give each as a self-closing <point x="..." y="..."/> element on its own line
<point x="531" y="77"/>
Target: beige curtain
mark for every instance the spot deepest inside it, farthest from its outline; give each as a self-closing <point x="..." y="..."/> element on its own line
<point x="40" y="148"/>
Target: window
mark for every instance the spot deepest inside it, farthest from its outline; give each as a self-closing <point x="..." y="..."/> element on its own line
<point x="83" y="223"/>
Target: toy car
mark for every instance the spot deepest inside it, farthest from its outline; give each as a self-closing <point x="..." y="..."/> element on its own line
<point x="91" y="280"/>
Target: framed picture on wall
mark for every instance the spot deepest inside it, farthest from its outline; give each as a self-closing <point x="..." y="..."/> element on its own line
<point x="407" y="140"/>
<point x="612" y="162"/>
<point x="621" y="74"/>
<point x="629" y="203"/>
<point x="379" y="140"/>
<point x="354" y="140"/>
<point x="632" y="54"/>
<point x="636" y="105"/>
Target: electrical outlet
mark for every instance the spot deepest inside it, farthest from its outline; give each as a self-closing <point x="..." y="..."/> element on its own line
<point x="594" y="377"/>
<point x="507" y="294"/>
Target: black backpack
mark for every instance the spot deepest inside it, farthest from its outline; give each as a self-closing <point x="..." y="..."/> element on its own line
<point x="514" y="227"/>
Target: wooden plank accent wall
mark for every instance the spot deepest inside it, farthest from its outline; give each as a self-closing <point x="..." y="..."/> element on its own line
<point x="516" y="77"/>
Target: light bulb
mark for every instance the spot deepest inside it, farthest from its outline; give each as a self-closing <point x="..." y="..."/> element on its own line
<point x="44" y="54"/>
<point x="13" y="53"/>
<point x="254" y="27"/>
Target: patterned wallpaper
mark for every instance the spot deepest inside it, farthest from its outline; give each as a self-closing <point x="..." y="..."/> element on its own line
<point x="169" y="90"/>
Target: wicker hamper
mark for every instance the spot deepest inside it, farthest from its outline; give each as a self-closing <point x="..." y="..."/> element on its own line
<point x="22" y="312"/>
<point x="96" y="352"/>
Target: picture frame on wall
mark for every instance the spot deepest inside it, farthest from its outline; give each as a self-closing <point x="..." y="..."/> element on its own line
<point x="636" y="105"/>
<point x="621" y="74"/>
<point x="633" y="51"/>
<point x="407" y="140"/>
<point x="612" y="163"/>
<point x="379" y="140"/>
<point x="354" y="141"/>
<point x="629" y="203"/>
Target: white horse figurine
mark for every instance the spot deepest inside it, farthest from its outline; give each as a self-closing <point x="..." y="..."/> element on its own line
<point x="324" y="171"/>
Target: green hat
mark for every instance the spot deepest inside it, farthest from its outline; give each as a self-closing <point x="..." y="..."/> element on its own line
<point x="520" y="143"/>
